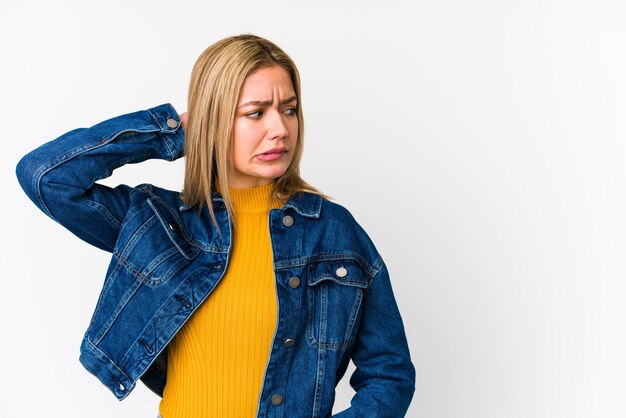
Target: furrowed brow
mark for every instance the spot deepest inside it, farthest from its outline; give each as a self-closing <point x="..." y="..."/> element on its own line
<point x="268" y="102"/>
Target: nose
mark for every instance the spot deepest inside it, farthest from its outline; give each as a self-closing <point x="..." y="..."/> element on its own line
<point x="276" y="129"/>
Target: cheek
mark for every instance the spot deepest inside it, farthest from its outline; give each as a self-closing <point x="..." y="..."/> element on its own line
<point x="293" y="130"/>
<point x="246" y="134"/>
<point x="239" y="153"/>
<point x="245" y="143"/>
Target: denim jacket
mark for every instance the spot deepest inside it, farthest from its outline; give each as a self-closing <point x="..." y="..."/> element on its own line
<point x="333" y="290"/>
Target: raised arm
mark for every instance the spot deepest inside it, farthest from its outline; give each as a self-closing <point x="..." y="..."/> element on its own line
<point x="384" y="379"/>
<point x="60" y="176"/>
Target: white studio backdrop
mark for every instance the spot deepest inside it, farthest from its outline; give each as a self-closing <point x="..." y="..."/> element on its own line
<point x="480" y="144"/>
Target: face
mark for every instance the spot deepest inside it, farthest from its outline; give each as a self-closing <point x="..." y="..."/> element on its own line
<point x="265" y="132"/>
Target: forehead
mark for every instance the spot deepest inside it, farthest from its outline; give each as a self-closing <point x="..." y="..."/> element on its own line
<point x="266" y="82"/>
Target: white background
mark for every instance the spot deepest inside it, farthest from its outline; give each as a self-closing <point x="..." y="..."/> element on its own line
<point x="480" y="143"/>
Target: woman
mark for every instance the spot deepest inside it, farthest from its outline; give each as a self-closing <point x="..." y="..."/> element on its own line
<point x="248" y="293"/>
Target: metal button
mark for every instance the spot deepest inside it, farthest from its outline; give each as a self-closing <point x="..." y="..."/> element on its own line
<point x="294" y="282"/>
<point x="277" y="399"/>
<point x="341" y="272"/>
<point x="287" y="220"/>
<point x="289" y="342"/>
<point x="172" y="123"/>
<point x="171" y="226"/>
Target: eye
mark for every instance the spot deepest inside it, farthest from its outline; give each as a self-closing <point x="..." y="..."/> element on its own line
<point x="291" y="111"/>
<point x="255" y="115"/>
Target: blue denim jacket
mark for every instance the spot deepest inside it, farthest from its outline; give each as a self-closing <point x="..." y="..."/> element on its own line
<point x="334" y="295"/>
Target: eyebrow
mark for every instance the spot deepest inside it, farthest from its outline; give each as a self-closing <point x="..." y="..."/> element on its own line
<point x="268" y="102"/>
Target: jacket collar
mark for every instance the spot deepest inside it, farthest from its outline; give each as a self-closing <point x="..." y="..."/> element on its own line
<point x="306" y="204"/>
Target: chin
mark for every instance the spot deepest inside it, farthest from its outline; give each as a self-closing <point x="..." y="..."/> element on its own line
<point x="274" y="174"/>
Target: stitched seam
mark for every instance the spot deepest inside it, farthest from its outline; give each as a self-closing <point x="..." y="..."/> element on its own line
<point x="297" y="262"/>
<point x="330" y="346"/>
<point x="352" y="321"/>
<point x="123" y="302"/>
<point x="142" y="277"/>
<point x="130" y="268"/>
<point x="104" y="211"/>
<point x="167" y="145"/>
<point x="108" y="282"/>
<point x="46" y="168"/>
<point x="130" y="244"/>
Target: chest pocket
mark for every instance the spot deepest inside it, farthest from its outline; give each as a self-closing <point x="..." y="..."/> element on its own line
<point x="335" y="292"/>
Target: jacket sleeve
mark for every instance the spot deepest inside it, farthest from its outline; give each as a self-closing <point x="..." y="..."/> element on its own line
<point x="60" y="176"/>
<point x="384" y="379"/>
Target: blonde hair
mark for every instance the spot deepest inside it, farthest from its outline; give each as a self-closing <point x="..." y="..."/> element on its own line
<point x="216" y="81"/>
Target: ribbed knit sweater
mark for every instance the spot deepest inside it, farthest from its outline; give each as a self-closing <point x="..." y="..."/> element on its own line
<point x="216" y="362"/>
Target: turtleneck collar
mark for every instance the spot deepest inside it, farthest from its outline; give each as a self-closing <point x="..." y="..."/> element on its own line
<point x="254" y="199"/>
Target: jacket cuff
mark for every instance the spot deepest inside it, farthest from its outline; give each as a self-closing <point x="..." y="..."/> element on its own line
<point x="168" y="121"/>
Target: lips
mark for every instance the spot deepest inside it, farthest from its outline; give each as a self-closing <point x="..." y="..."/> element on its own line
<point x="273" y="154"/>
<point x="276" y="151"/>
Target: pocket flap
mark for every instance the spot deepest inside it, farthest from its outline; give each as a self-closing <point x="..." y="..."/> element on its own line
<point x="344" y="271"/>
<point x="174" y="229"/>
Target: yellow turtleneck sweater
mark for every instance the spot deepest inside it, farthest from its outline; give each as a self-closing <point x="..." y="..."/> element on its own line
<point x="217" y="360"/>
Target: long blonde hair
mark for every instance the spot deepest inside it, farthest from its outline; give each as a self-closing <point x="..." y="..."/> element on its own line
<point x="216" y="81"/>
